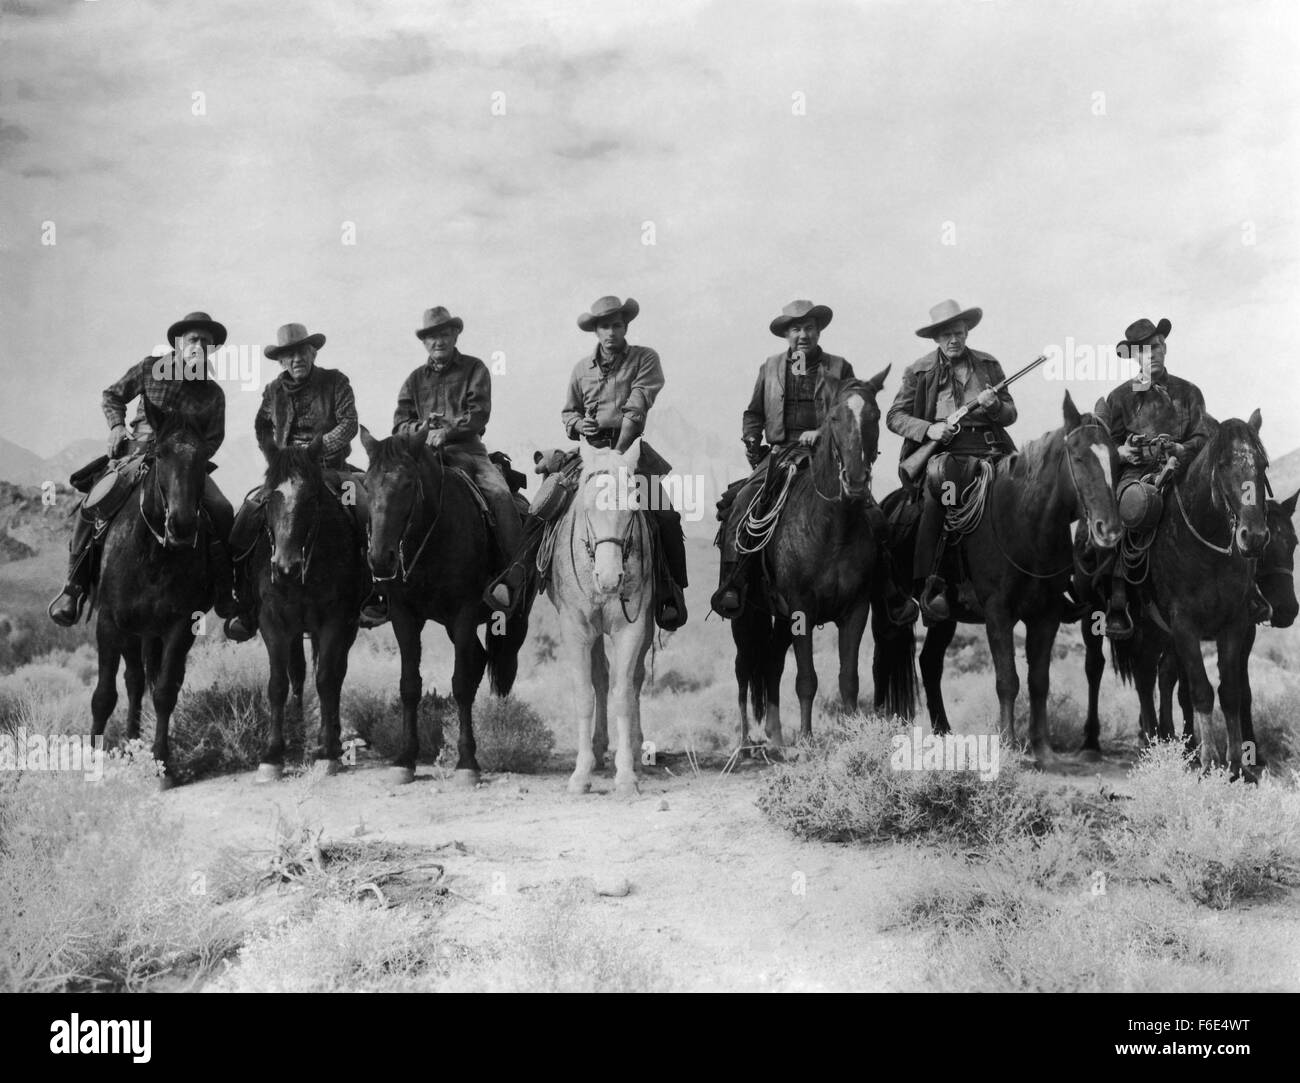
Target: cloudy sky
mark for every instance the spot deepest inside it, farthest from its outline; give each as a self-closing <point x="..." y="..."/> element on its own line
<point x="1069" y="167"/>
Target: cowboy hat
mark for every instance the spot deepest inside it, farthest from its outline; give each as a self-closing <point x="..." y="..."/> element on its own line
<point x="606" y="307"/>
<point x="946" y="312"/>
<point x="800" y="310"/>
<point x="197" y="321"/>
<point x="1141" y="331"/>
<point x="289" y="336"/>
<point x="437" y="317"/>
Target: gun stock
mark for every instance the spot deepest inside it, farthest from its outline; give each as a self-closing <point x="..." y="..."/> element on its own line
<point x="911" y="469"/>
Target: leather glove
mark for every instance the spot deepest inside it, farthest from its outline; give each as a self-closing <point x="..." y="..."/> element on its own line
<point x="755" y="452"/>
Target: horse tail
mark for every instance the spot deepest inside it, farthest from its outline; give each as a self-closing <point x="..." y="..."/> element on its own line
<point x="151" y="651"/>
<point x="1122" y="657"/>
<point x="893" y="665"/>
<point x="752" y="632"/>
<point x="503" y="653"/>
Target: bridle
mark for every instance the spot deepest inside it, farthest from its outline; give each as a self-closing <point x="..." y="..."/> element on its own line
<point x="591" y="542"/>
<point x="842" y="472"/>
<point x="404" y="569"/>
<point x="149" y="467"/>
<point x="1218" y="493"/>
<point x="308" y="545"/>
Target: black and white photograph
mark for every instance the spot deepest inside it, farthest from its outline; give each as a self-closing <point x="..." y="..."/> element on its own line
<point x="704" y="496"/>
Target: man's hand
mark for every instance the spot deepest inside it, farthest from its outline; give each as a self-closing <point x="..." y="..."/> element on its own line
<point x="988" y="400"/>
<point x="116" y="437"/>
<point x="808" y="437"/>
<point x="588" y="427"/>
<point x="755" y="452"/>
<point x="1129" y="452"/>
<point x="940" y="430"/>
<point x="436" y="438"/>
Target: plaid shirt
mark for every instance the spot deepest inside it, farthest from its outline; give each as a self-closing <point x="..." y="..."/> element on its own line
<point x="627" y="388"/>
<point x="322" y="403"/>
<point x="157" y="380"/>
<point x="461" y="390"/>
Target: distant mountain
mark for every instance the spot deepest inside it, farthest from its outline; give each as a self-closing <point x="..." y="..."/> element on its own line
<point x="73" y="457"/>
<point x="20" y="466"/>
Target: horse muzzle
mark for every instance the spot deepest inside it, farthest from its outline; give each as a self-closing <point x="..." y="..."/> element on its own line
<point x="1103" y="535"/>
<point x="1251" y="541"/>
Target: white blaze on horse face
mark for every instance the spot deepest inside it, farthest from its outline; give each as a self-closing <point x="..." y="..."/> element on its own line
<point x="1103" y="457"/>
<point x="856" y="403"/>
<point x="288" y="490"/>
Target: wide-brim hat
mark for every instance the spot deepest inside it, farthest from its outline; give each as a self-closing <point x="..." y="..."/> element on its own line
<point x="800" y="310"/>
<point x="1141" y="331"/>
<point x="606" y="307"/>
<point x="946" y="312"/>
<point x="197" y="321"/>
<point x="438" y="317"/>
<point x="289" y="336"/>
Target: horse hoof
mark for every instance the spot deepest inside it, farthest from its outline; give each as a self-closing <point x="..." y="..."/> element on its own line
<point x="626" y="790"/>
<point x="165" y="783"/>
<point x="400" y="776"/>
<point x="579" y="786"/>
<point x="268" y="772"/>
<point x="464" y="778"/>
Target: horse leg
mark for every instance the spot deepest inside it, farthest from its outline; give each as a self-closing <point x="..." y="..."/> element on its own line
<point x="1246" y="698"/>
<point x="407" y="628"/>
<point x="1146" y="669"/>
<point x="1189" y="716"/>
<point x="1230" y="665"/>
<point x="744" y="670"/>
<point x="1094" y="665"/>
<point x="133" y="658"/>
<point x="471" y="662"/>
<point x="630" y="644"/>
<point x="331" y="667"/>
<point x="580" y="640"/>
<point x="297" y="676"/>
<point x="773" y="667"/>
<point x="805" y="682"/>
<point x="638" y="681"/>
<point x="1166" y="680"/>
<point x="167" y="689"/>
<point x="600" y="704"/>
<point x="851" y="630"/>
<point x="1000" y="627"/>
<point x="1188" y="645"/>
<point x="1040" y="634"/>
<point x="104" y="698"/>
<point x="935" y="647"/>
<point x="278" y="651"/>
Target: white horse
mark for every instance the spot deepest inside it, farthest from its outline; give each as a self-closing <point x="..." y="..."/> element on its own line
<point x="602" y="584"/>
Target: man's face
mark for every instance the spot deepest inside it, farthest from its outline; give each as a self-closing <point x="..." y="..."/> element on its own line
<point x="298" y="362"/>
<point x="803" y="334"/>
<point x="952" y="340"/>
<point x="1153" y="349"/>
<point x="193" y="348"/>
<point x="441" y="344"/>
<point x="611" y="333"/>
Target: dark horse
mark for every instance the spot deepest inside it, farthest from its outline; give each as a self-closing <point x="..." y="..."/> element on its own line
<point x="1201" y="567"/>
<point x="155" y="582"/>
<point x="431" y="551"/>
<point x="820" y="562"/>
<point x="1020" y="557"/>
<point x="311" y="578"/>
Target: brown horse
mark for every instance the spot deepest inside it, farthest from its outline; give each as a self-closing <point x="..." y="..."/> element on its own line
<point x="820" y="559"/>
<point x="1201" y="570"/>
<point x="431" y="552"/>
<point x="1020" y="557"/>
<point x="155" y="582"/>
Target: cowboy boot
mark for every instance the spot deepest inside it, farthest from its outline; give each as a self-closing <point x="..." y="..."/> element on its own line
<point x="726" y="599"/>
<point x="930" y="586"/>
<point x="1119" y="625"/>
<point x="225" y="604"/>
<point x="241" y="625"/>
<point x="671" y="577"/>
<point x="899" y="606"/>
<point x="503" y="594"/>
<point x="934" y="606"/>
<point x="66" y="608"/>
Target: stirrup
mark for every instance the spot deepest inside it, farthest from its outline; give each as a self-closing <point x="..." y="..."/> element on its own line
<point x="79" y="604"/>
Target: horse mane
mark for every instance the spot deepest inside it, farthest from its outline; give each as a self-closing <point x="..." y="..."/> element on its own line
<point x="392" y="452"/>
<point x="853" y="387"/>
<point x="1029" y="460"/>
<point x="286" y="463"/>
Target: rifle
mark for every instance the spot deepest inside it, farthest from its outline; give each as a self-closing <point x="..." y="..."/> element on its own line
<point x="911" y="468"/>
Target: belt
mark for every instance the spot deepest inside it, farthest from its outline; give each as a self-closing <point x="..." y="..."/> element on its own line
<point x="975" y="440"/>
<point x="604" y="437"/>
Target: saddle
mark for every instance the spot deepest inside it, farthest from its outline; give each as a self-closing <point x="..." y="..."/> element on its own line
<point x="783" y="463"/>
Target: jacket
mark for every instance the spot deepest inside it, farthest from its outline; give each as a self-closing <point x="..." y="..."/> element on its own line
<point x="914" y="406"/>
<point x="765" y="415"/>
<point x="461" y="392"/>
<point x="323" y="404"/>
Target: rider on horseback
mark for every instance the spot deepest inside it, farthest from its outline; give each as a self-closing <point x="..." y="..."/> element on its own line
<point x="934" y="386"/>
<point x="303" y="401"/>
<point x="452" y="393"/>
<point x="610" y="394"/>
<point x="1154" y="419"/>
<point x="792" y="395"/>
<point x="177" y="381"/>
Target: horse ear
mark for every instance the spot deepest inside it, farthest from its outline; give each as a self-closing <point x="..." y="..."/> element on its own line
<point x="1100" y="409"/>
<point x="1256" y="420"/>
<point x="368" y="442"/>
<point x="1288" y="505"/>
<point x="1071" y="414"/>
<point x="877" y="382"/>
<point x="632" y="455"/>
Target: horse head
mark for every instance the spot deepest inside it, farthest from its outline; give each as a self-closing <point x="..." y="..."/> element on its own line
<point x="1238" y="483"/>
<point x="394" y="488"/>
<point x="849" y="438"/>
<point x="609" y="493"/>
<point x="1091" y="467"/>
<point x="1276" y="572"/>
<point x="180" y="460"/>
<point x="295" y="481"/>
